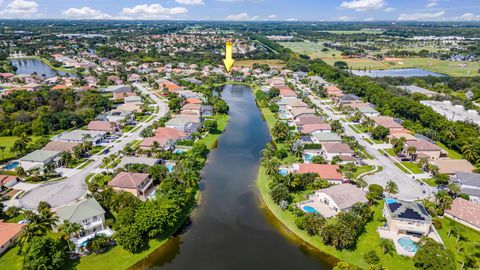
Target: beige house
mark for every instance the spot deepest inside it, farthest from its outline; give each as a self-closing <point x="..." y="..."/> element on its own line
<point x="407" y="217"/>
<point x="423" y="149"/>
<point x="139" y="184"/>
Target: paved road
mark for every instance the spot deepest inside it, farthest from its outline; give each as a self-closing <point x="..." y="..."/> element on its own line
<point x="73" y="188"/>
<point x="409" y="189"/>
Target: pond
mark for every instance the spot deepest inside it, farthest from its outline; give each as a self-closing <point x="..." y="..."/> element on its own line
<point x="230" y="229"/>
<point x="404" y="72"/>
<point x="29" y="66"/>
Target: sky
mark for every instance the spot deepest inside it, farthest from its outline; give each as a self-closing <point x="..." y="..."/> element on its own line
<point x="245" y="10"/>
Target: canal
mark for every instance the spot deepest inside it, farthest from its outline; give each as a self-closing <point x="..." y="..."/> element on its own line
<point x="230" y="229"/>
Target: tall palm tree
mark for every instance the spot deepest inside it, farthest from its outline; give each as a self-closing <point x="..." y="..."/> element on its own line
<point x="391" y="187"/>
<point x="469" y="151"/>
<point x="2" y="148"/>
<point x="361" y="183"/>
<point x="69" y="229"/>
<point x="271" y="166"/>
<point x="450" y="133"/>
<point x="411" y="150"/>
<point x="65" y="158"/>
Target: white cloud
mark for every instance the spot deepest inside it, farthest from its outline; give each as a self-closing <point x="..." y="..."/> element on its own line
<point x="369" y="19"/>
<point x="20" y="9"/>
<point x="345" y="18"/>
<point x="421" y="16"/>
<point x="432" y="3"/>
<point x="468" y="17"/>
<point x="272" y="17"/>
<point x="190" y="2"/>
<point x="153" y="11"/>
<point x="85" y="13"/>
<point x="241" y="17"/>
<point x="389" y="9"/>
<point x="363" y="5"/>
<point x="292" y="20"/>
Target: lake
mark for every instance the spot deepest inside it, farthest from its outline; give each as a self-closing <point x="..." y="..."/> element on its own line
<point x="404" y="72"/>
<point x="230" y="229"/>
<point x="29" y="66"/>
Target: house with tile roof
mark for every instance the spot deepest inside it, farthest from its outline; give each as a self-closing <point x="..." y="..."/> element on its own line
<point x="139" y="184"/>
<point x="331" y="150"/>
<point x="9" y="233"/>
<point x="331" y="173"/>
<point x="61" y="146"/>
<point x="423" y="149"/>
<point x="38" y="159"/>
<point x="465" y="212"/>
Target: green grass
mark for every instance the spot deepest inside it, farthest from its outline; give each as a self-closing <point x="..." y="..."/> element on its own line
<point x="269" y="117"/>
<point x="413" y="167"/>
<point x="85" y="164"/>
<point x="401" y="168"/>
<point x="211" y="138"/>
<point x="430" y="181"/>
<point x="8" y="142"/>
<point x="355" y="129"/>
<point x="366" y="242"/>
<point x="468" y="241"/>
<point x="10" y="260"/>
<point x="391" y="152"/>
<point x="116" y="258"/>
<point x="450" y="153"/>
<point x="362" y="169"/>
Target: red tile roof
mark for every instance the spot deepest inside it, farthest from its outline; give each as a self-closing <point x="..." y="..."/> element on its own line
<point x="169" y="133"/>
<point x="326" y="171"/>
<point x="9" y="231"/>
<point x="465" y="210"/>
<point x="128" y="180"/>
<point x="307" y="129"/>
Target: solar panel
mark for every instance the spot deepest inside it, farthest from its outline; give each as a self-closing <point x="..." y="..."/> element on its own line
<point x="411" y="214"/>
<point x="394" y="206"/>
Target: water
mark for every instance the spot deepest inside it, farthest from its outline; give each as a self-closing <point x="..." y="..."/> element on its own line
<point x="231" y="229"/>
<point x="404" y="72"/>
<point x="29" y="66"/>
<point x="407" y="244"/>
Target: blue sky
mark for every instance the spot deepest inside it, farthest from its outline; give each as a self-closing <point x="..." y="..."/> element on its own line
<point x="246" y="10"/>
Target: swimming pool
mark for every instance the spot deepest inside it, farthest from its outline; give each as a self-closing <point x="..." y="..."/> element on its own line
<point x="308" y="157"/>
<point x="390" y="200"/>
<point x="179" y="151"/>
<point x="169" y="167"/>
<point x="407" y="244"/>
<point x="309" y="209"/>
<point x="283" y="171"/>
<point x="11" y="165"/>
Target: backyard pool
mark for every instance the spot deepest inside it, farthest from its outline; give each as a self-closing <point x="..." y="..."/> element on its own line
<point x="283" y="171"/>
<point x="169" y="167"/>
<point x="11" y="165"/>
<point x="309" y="209"/>
<point x="308" y="157"/>
<point x="407" y="244"/>
<point x="179" y="151"/>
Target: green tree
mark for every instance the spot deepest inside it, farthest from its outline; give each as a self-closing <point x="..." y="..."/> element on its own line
<point x="45" y="253"/>
<point x="130" y="238"/>
<point x="391" y="187"/>
<point x="279" y="193"/>
<point x="371" y="257"/>
<point x="432" y="255"/>
<point x="380" y="133"/>
<point x="375" y="192"/>
<point x="344" y="266"/>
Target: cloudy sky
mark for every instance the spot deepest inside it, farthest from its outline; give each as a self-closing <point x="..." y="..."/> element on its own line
<point x="246" y="10"/>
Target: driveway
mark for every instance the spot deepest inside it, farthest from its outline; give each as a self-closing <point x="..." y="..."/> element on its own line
<point x="74" y="187"/>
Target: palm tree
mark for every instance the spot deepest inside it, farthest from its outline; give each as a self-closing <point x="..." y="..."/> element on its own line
<point x="433" y="169"/>
<point x="391" y="187"/>
<point x="469" y="151"/>
<point x="454" y="188"/>
<point x="20" y="171"/>
<point x="422" y="163"/>
<point x="68" y="230"/>
<point x="48" y="168"/>
<point x="361" y="183"/>
<point x="271" y="166"/>
<point x="443" y="199"/>
<point x="411" y="150"/>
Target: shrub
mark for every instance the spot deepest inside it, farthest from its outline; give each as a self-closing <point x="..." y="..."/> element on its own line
<point x="371" y="257"/>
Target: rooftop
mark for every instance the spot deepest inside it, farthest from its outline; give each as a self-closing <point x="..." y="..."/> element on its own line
<point x="345" y="195"/>
<point x="404" y="210"/>
<point x="466" y="211"/>
<point x="80" y="211"/>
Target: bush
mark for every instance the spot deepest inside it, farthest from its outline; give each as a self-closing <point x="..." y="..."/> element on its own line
<point x="438" y="224"/>
<point x="371" y="257"/>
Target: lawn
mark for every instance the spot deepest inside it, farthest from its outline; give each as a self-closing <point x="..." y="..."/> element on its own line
<point x="366" y="242"/>
<point x="413" y="167"/>
<point x="401" y="168"/>
<point x="270" y="117"/>
<point x="8" y="142"/>
<point x="362" y="169"/>
<point x="430" y="181"/>
<point x="468" y="242"/>
<point x="391" y="152"/>
<point x="10" y="260"/>
<point x="211" y="138"/>
<point x="450" y="153"/>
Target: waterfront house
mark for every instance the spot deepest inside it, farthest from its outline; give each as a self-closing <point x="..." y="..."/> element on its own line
<point x="9" y="233"/>
<point x="331" y="173"/>
<point x="326" y="137"/>
<point x="139" y="184"/>
<point x="138" y="160"/>
<point x="317" y="128"/>
<point x="331" y="150"/>
<point x="90" y="215"/>
<point x="465" y="212"/>
<point x="452" y="166"/>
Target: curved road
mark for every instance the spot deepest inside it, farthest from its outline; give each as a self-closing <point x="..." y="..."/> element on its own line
<point x="73" y="188"/>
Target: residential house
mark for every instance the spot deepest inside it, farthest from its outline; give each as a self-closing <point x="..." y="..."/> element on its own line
<point x="368" y="111"/>
<point x="165" y="137"/>
<point x="114" y="79"/>
<point x="193" y="101"/>
<point x="117" y="89"/>
<point x="79" y="136"/>
<point x="331" y="150"/>
<point x="134" y="78"/>
<point x="61" y="146"/>
<point x="8" y="181"/>
<point x="469" y="184"/>
<point x="315" y="128"/>
<point x="326" y="137"/>
<point x="117" y="116"/>
<point x="103" y="126"/>
<point x="138" y="160"/>
<point x="90" y="215"/>
<point x="452" y="166"/>
<point x="9" y="233"/>
<point x="206" y="111"/>
<point x="122" y="95"/>
<point x="185" y="123"/>
<point x="388" y="122"/>
<point x="465" y="212"/>
<point x="39" y="158"/>
<point x="300" y="112"/>
<point x="133" y="99"/>
<point x="333" y="91"/>
<point x="193" y="109"/>
<point x="331" y="173"/>
<point x="349" y="98"/>
<point x="333" y="200"/>
<point x="287" y="93"/>
<point x="139" y="184"/>
<point x="423" y="149"/>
